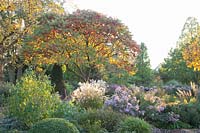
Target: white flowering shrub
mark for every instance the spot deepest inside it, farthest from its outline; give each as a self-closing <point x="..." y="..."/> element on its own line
<point x="90" y="94"/>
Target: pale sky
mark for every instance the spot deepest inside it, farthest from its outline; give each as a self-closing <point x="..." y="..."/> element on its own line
<point x="157" y="23"/>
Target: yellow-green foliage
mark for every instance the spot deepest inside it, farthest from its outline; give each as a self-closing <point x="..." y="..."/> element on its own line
<point x="31" y="100"/>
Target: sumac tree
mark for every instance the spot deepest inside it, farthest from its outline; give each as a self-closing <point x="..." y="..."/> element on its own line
<point x="85" y="41"/>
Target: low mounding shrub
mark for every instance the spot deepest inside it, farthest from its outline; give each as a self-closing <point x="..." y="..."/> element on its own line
<point x="31" y="100"/>
<point x="98" y="120"/>
<point x="90" y="95"/>
<point x="53" y="125"/>
<point x="132" y="124"/>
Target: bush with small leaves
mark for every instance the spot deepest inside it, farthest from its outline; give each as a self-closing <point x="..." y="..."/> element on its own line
<point x="135" y="125"/>
<point x="32" y="99"/>
<point x="53" y="125"/>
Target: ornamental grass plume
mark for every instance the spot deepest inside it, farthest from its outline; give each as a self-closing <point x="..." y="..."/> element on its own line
<point x="90" y="94"/>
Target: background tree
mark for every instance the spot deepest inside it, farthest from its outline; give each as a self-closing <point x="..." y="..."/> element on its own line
<point x="17" y="18"/>
<point x="85" y="41"/>
<point x="175" y="68"/>
<point x="189" y="32"/>
<point x="190" y="43"/>
<point x="183" y="60"/>
<point x="144" y="74"/>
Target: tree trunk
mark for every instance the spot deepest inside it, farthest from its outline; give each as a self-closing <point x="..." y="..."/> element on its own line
<point x="1" y="72"/>
<point x="19" y="72"/>
<point x="57" y="79"/>
<point x="11" y="73"/>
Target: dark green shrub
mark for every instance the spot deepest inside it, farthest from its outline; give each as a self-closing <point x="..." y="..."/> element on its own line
<point x="10" y="124"/>
<point x="132" y="124"/>
<point x="32" y="100"/>
<point x="53" y="125"/>
<point x="177" y="125"/>
<point x="5" y="89"/>
<point x="101" y="119"/>
<point x="189" y="113"/>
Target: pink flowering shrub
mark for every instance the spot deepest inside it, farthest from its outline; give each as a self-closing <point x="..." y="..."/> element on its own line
<point x="155" y="102"/>
<point x="123" y="101"/>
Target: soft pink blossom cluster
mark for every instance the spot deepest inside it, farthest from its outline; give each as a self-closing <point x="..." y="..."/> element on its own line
<point x="124" y="101"/>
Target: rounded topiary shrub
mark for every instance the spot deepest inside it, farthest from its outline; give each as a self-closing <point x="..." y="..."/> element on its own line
<point x="53" y="125"/>
<point x="131" y="124"/>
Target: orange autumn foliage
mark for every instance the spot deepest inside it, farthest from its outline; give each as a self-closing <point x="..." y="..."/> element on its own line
<point x="192" y="54"/>
<point x="83" y="38"/>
